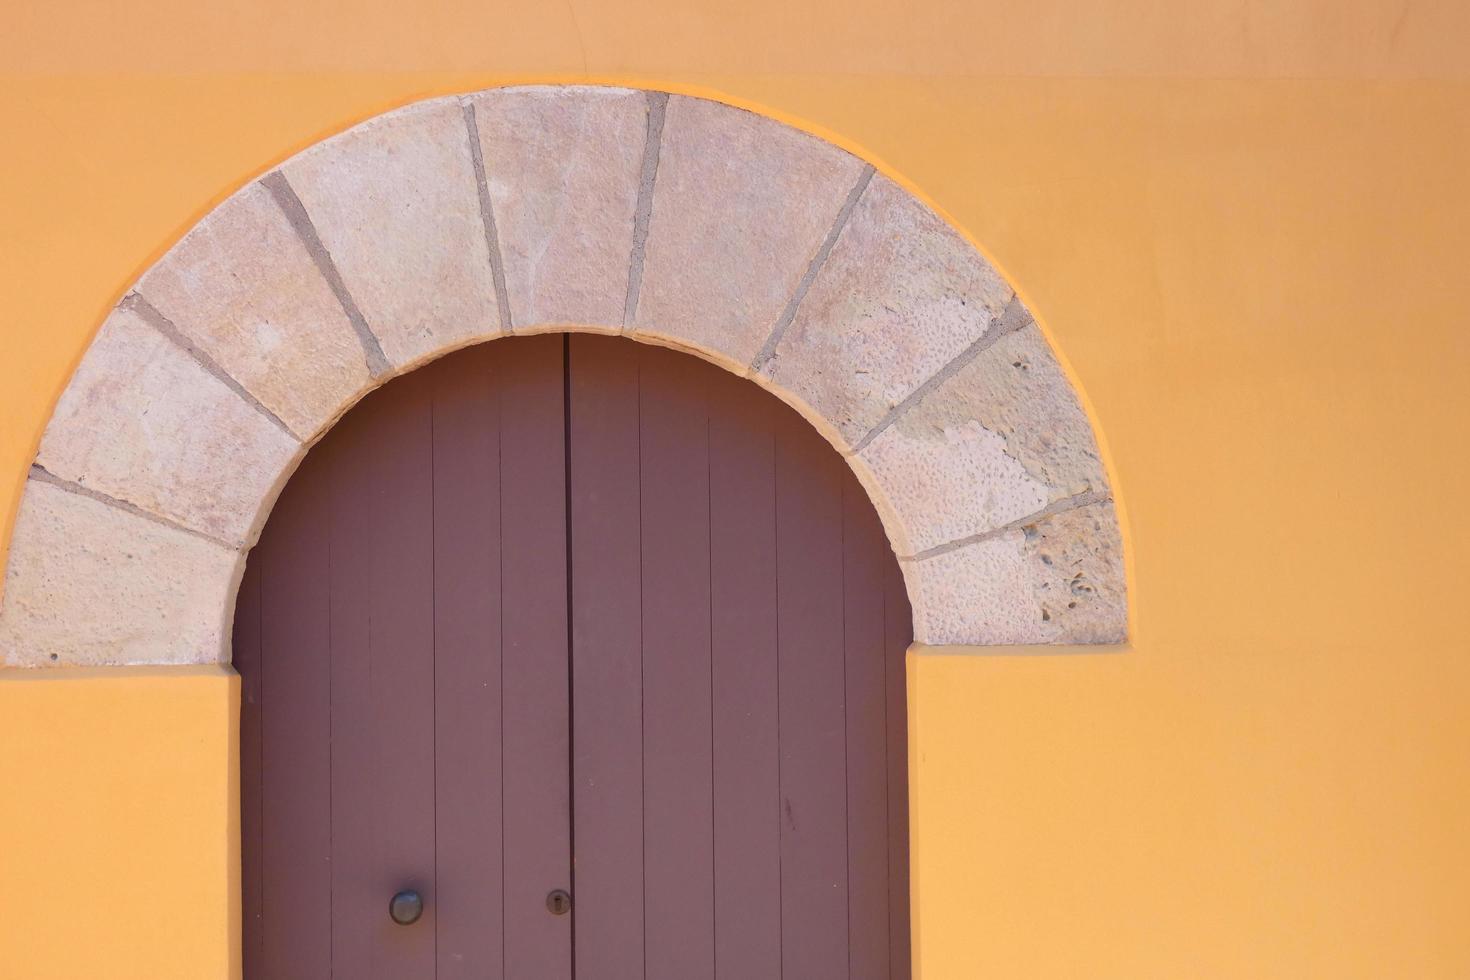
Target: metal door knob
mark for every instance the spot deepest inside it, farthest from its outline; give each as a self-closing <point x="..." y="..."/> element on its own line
<point x="406" y="907"/>
<point x="558" y="902"/>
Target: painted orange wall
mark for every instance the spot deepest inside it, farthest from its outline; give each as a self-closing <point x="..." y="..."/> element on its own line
<point x="1244" y="222"/>
<point x="118" y="797"/>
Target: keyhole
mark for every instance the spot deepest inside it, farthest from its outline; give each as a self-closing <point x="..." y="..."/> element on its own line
<point x="559" y="902"/>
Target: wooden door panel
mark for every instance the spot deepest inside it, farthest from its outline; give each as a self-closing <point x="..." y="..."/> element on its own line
<point x="583" y="614"/>
<point x="864" y="564"/>
<point x="744" y="650"/>
<point x="898" y="632"/>
<point x="357" y="899"/>
<point x="399" y="662"/>
<point x="535" y="742"/>
<point x="734" y="655"/>
<point x="810" y="689"/>
<point x="404" y="625"/>
<point x="295" y="683"/>
<point x="607" y="657"/>
<point x="469" y="862"/>
<point x="678" y="806"/>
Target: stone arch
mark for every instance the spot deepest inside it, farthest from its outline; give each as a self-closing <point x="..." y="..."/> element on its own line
<point x="670" y="219"/>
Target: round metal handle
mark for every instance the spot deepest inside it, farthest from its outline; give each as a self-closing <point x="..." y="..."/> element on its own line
<point x="558" y="902"/>
<point x="406" y="907"/>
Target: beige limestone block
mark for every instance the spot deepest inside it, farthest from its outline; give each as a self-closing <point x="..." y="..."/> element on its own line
<point x="242" y="287"/>
<point x="143" y="422"/>
<point x="1076" y="560"/>
<point x="953" y="483"/>
<point x="397" y="206"/>
<point x="1017" y="390"/>
<point x="562" y="166"/>
<point x="88" y="583"/>
<point x="741" y="205"/>
<point x="900" y="296"/>
<point x="980" y="593"/>
<point x="1059" y="580"/>
<point x="997" y="441"/>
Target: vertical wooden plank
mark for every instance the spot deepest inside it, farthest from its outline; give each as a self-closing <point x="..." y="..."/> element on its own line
<point x="678" y="818"/>
<point x="245" y="646"/>
<point x="535" y="747"/>
<point x="383" y="681"/>
<point x="607" y="663"/>
<point x="295" y="804"/>
<point x="467" y="669"/>
<point x="358" y="904"/>
<point x="865" y="560"/>
<point x="813" y="733"/>
<point x="401" y="647"/>
<point x="899" y="634"/>
<point x="746" y="761"/>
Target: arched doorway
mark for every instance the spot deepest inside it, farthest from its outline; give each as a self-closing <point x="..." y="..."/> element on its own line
<point x="574" y="614"/>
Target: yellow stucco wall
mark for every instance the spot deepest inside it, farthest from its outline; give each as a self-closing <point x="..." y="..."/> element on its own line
<point x="118" y="797"/>
<point x="1246" y="226"/>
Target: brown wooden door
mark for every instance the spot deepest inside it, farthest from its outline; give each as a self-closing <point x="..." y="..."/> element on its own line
<point x="574" y="613"/>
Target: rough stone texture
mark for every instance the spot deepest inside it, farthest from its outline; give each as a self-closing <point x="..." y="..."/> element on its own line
<point x="90" y="584"/>
<point x="242" y="287"/>
<point x="999" y="440"/>
<point x="142" y="421"/>
<point x="899" y="297"/>
<point x="1076" y="560"/>
<point x="1017" y="389"/>
<point x="1059" y="580"/>
<point x="953" y="482"/>
<point x="741" y="205"/>
<point x="396" y="204"/>
<point x="977" y="594"/>
<point x="562" y="166"/>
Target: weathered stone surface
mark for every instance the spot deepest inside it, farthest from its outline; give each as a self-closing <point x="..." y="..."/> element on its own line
<point x="899" y="297"/>
<point x="562" y="167"/>
<point x="1076" y="560"/>
<point x="396" y="204"/>
<point x="954" y="482"/>
<point x="142" y="421"/>
<point x="977" y="594"/>
<point x="242" y="287"/>
<point x="88" y="583"/>
<point x="1060" y="580"/>
<point x="741" y="205"/>
<point x="999" y="440"/>
<point x="1017" y="389"/>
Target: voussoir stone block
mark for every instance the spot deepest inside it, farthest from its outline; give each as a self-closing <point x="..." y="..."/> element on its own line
<point x="89" y="583"/>
<point x="562" y="166"/>
<point x="741" y="206"/>
<point x="950" y="483"/>
<point x="900" y="295"/>
<point x="242" y="287"/>
<point x="144" y="422"/>
<point x="1000" y="439"/>
<point x="1058" y="580"/>
<point x="396" y="203"/>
